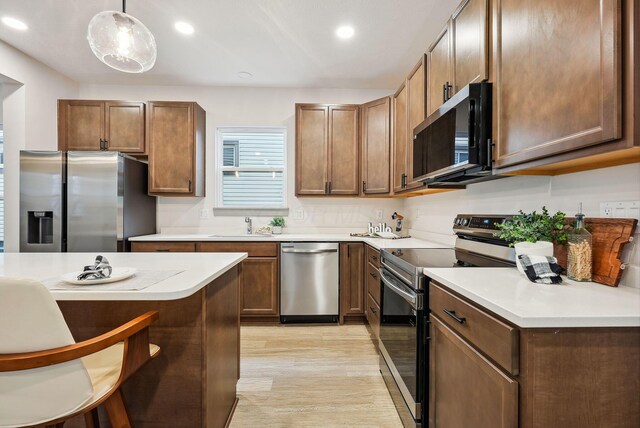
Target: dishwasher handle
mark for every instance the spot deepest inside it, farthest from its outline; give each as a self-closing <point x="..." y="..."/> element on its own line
<point x="328" y="250"/>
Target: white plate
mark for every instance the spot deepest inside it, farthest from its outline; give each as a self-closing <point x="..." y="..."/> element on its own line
<point x="117" y="274"/>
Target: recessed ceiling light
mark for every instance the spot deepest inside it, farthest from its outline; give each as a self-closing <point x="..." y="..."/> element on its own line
<point x="345" y="32"/>
<point x="184" y="27"/>
<point x="245" y="75"/>
<point x="16" y="24"/>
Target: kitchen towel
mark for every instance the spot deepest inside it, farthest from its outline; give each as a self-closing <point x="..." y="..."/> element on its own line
<point x="541" y="269"/>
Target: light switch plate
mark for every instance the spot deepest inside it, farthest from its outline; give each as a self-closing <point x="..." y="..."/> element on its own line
<point x="298" y="214"/>
<point x="204" y="213"/>
<point x="620" y="209"/>
<point x="379" y="214"/>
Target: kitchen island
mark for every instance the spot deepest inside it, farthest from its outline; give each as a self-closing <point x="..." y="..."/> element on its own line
<point x="193" y="381"/>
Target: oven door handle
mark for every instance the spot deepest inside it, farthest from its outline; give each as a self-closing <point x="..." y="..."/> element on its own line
<point x="409" y="297"/>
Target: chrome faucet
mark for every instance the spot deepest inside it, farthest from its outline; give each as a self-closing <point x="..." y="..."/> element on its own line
<point x="249" y="225"/>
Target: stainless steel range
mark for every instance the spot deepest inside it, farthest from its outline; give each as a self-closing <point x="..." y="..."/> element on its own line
<point x="404" y="321"/>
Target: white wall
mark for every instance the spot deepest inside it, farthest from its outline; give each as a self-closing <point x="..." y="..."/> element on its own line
<point x="236" y="106"/>
<point x="433" y="215"/>
<point x="29" y="111"/>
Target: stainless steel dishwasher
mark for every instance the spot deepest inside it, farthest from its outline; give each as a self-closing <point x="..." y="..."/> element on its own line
<point x="309" y="282"/>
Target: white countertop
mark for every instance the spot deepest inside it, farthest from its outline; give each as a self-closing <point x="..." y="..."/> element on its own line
<point x="199" y="270"/>
<point x="377" y="243"/>
<point x="508" y="293"/>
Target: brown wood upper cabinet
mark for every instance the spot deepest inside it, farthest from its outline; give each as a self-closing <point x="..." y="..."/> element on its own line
<point x="409" y="108"/>
<point x="470" y="44"/>
<point x="439" y="80"/>
<point x="557" y="89"/>
<point x="101" y="125"/>
<point x="460" y="54"/>
<point x="327" y="149"/>
<point x="376" y="154"/>
<point x="176" y="141"/>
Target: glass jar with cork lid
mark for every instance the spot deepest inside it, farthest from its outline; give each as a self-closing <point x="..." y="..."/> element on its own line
<point x="579" y="251"/>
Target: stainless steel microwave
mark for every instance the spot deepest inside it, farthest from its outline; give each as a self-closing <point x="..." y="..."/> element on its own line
<point x="452" y="146"/>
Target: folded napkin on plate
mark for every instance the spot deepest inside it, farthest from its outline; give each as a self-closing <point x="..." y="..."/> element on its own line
<point x="541" y="269"/>
<point x="99" y="270"/>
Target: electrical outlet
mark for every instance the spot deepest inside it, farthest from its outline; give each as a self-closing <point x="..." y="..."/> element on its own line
<point x="298" y="214"/>
<point x="204" y="213"/>
<point x="379" y="214"/>
<point x="620" y="209"/>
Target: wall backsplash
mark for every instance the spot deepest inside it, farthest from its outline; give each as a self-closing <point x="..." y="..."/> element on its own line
<point x="432" y="216"/>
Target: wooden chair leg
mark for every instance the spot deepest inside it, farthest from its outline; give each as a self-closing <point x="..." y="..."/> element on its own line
<point x="91" y="419"/>
<point x="117" y="411"/>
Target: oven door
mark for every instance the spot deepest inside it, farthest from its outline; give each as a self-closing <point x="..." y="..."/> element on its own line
<point x="402" y="339"/>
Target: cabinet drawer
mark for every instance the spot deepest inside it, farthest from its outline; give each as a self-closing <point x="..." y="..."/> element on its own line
<point x="163" y="247"/>
<point x="254" y="249"/>
<point x="373" y="256"/>
<point x="491" y="336"/>
<point x="373" y="315"/>
<point x="373" y="282"/>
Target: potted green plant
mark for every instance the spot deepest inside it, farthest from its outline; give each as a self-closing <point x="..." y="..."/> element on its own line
<point x="534" y="233"/>
<point x="277" y="223"/>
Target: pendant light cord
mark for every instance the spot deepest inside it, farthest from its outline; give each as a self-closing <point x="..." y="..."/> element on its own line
<point x="124" y="6"/>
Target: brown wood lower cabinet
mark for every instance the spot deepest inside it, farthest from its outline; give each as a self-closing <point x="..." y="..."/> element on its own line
<point x="566" y="377"/>
<point x="352" y="294"/>
<point x="259" y="278"/>
<point x="467" y="389"/>
<point x="259" y="287"/>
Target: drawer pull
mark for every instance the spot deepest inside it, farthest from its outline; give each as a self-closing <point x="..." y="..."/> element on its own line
<point x="453" y="315"/>
<point x="373" y="310"/>
<point x="163" y="250"/>
<point x="373" y="275"/>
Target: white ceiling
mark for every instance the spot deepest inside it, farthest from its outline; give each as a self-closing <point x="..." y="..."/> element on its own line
<point x="283" y="43"/>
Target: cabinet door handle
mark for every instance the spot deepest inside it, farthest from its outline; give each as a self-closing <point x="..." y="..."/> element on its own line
<point x="453" y="315"/>
<point x="106" y="144"/>
<point x="329" y="187"/>
<point x="189" y="186"/>
<point x="403" y="182"/>
<point x="162" y="250"/>
<point x="447" y="91"/>
<point x="373" y="310"/>
<point x="373" y="275"/>
<point x="444" y="92"/>
<point x="364" y="186"/>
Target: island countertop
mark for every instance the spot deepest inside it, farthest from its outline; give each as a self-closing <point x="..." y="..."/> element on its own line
<point x="199" y="269"/>
<point x="509" y="294"/>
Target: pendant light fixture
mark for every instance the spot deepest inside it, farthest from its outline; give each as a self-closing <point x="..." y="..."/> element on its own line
<point x="122" y="41"/>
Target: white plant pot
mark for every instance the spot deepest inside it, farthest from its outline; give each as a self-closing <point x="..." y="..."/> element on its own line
<point x="540" y="248"/>
<point x="276" y="230"/>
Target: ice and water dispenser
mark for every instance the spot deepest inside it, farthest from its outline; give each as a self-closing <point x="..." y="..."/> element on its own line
<point x="40" y="227"/>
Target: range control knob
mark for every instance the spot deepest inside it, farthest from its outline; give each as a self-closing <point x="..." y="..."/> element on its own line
<point x="456" y="221"/>
<point x="465" y="221"/>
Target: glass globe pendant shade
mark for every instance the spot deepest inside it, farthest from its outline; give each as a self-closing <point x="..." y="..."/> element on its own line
<point x="122" y="42"/>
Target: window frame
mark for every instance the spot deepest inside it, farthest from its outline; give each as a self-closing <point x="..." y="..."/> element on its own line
<point x="220" y="168"/>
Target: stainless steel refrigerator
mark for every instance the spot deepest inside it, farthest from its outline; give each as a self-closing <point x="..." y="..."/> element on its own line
<point x="83" y="201"/>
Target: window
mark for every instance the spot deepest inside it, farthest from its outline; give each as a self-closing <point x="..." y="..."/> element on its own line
<point x="251" y="168"/>
<point x="1" y="189"/>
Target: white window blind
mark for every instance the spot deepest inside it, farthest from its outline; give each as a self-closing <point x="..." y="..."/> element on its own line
<point x="251" y="167"/>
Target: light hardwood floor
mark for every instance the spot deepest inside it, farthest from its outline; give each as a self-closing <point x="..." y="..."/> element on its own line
<point x="311" y="376"/>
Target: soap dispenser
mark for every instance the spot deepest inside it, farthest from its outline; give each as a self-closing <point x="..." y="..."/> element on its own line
<point x="580" y="251"/>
